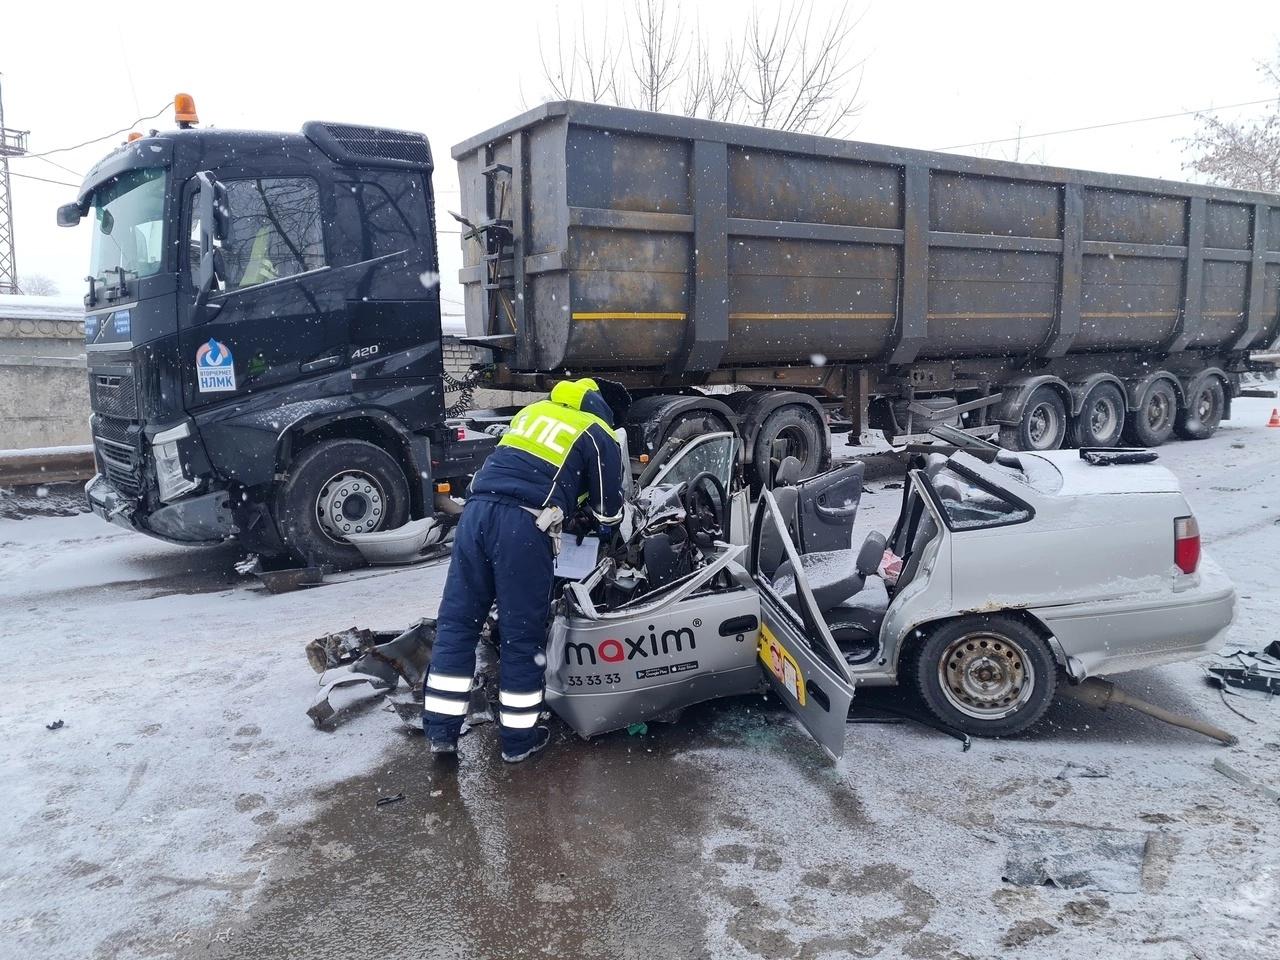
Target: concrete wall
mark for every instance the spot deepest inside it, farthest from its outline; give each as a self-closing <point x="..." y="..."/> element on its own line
<point x="44" y="391"/>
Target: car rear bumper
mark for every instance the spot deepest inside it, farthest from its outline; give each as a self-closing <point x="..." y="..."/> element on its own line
<point x="1136" y="632"/>
<point x="198" y="520"/>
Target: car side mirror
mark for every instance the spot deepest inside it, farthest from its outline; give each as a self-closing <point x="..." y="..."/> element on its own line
<point x="69" y="215"/>
<point x="213" y="216"/>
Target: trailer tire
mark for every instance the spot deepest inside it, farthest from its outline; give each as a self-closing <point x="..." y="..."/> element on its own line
<point x="337" y="484"/>
<point x="800" y="430"/>
<point x="1152" y="423"/>
<point x="988" y="675"/>
<point x="1199" y="417"/>
<point x="1100" y="421"/>
<point x="1043" y="424"/>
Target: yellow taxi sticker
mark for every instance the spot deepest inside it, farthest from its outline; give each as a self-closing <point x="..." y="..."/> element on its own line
<point x="781" y="664"/>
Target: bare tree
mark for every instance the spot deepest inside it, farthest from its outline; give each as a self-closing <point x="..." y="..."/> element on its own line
<point x="793" y="71"/>
<point x="38" y="285"/>
<point x="1243" y="154"/>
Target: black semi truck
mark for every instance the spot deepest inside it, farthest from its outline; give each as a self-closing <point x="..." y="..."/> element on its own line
<point x="263" y="314"/>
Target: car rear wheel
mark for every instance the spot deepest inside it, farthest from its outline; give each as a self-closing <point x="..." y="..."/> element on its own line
<point x="1199" y="419"/>
<point x="988" y="675"/>
<point x="1043" y="425"/>
<point x="1152" y="423"/>
<point x="1101" y="418"/>
<point x="336" y="488"/>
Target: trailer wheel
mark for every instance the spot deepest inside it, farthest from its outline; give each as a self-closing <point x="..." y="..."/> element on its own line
<point x="790" y="431"/>
<point x="988" y="675"/>
<point x="334" y="488"/>
<point x="1199" y="419"/>
<point x="1152" y="423"/>
<point x="1101" y="418"/>
<point x="1043" y="425"/>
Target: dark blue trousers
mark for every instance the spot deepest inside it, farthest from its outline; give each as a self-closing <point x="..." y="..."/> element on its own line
<point x="498" y="552"/>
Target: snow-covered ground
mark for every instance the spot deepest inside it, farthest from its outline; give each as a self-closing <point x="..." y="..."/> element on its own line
<point x="187" y="806"/>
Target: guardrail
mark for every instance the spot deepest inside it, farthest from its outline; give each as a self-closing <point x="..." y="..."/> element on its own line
<point x="46" y="465"/>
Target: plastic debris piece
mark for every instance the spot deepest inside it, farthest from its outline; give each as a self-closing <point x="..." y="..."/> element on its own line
<point x="56" y="725"/>
<point x="387" y="801"/>
<point x="638" y="729"/>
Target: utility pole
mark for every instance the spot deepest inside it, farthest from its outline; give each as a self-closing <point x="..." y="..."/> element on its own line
<point x="13" y="143"/>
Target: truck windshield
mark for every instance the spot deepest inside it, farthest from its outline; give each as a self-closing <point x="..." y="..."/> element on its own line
<point x="128" y="217"/>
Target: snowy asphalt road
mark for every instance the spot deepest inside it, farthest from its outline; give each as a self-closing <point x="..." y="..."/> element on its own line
<point x="188" y="808"/>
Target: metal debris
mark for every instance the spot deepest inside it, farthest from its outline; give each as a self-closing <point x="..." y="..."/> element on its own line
<point x="1072" y="858"/>
<point x="379" y="659"/>
<point x="56" y="725"/>
<point x="1231" y="773"/>
<point x="387" y="801"/>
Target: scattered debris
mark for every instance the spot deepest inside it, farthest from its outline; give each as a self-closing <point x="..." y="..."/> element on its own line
<point x="638" y="729"/>
<point x="376" y="658"/>
<point x="1231" y="773"/>
<point x="1070" y="858"/>
<point x="388" y="801"/>
<point x="56" y="725"/>
<point x="1263" y="675"/>
<point x="1073" y="770"/>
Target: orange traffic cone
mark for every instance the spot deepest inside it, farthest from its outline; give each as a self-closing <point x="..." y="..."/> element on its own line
<point x="1275" y="418"/>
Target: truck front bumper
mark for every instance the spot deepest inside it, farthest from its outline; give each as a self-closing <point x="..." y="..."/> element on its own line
<point x="205" y="519"/>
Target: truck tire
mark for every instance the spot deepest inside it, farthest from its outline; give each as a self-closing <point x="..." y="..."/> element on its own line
<point x="1152" y="423"/>
<point x="338" y="487"/>
<point x="1198" y="419"/>
<point x="1043" y="425"/>
<point x="1101" y="419"/>
<point x="988" y="675"/>
<point x="789" y="431"/>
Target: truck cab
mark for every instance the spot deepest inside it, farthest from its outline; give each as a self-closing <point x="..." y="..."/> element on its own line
<point x="263" y="337"/>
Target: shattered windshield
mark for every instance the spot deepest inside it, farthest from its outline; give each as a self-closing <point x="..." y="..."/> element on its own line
<point x="128" y="220"/>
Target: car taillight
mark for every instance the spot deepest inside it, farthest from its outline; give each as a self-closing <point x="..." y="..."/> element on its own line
<point x="1186" y="544"/>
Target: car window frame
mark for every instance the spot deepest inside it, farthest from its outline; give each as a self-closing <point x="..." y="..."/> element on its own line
<point x="980" y="481"/>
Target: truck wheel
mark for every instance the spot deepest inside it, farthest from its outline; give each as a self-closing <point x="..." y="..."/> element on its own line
<point x="790" y="431"/>
<point x="988" y="675"/>
<point x="338" y="487"/>
<point x="1199" y="419"/>
<point x="1043" y="425"/>
<point x="1101" y="418"/>
<point x="1152" y="423"/>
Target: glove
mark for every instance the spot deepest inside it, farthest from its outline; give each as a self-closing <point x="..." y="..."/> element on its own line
<point x="581" y="525"/>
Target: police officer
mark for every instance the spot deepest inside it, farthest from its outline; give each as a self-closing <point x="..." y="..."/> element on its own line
<point x="559" y="454"/>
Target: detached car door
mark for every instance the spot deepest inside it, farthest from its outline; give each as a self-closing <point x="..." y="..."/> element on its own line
<point x="796" y="652"/>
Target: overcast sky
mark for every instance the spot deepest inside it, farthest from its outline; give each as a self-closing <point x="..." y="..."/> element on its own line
<point x="936" y="74"/>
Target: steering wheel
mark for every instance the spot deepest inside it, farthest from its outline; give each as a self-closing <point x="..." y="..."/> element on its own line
<point x="706" y="505"/>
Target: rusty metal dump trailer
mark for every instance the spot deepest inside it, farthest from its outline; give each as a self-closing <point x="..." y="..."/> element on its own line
<point x="1056" y="305"/>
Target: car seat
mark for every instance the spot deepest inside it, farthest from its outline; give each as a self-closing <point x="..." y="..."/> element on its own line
<point x="850" y="597"/>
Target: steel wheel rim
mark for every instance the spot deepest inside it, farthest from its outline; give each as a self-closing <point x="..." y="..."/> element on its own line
<point x="1205" y="404"/>
<point x="350" y="502"/>
<point x="986" y="676"/>
<point x="1042" y="426"/>
<point x="1103" y="417"/>
<point x="1158" y="411"/>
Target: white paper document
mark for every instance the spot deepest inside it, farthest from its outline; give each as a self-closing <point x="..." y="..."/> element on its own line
<point x="576" y="560"/>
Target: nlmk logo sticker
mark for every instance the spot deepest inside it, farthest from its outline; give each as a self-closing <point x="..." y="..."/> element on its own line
<point x="215" y="368"/>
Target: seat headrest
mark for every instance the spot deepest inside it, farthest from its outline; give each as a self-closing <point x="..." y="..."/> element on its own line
<point x="788" y="473"/>
<point x="934" y="462"/>
<point x="872" y="553"/>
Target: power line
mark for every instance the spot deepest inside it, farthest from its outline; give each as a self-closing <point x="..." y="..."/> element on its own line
<point x="1114" y="123"/>
<point x="27" y="176"/>
<point x="105" y="136"/>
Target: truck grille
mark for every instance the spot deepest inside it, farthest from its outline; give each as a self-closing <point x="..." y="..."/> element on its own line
<point x="113" y="394"/>
<point x="119" y="455"/>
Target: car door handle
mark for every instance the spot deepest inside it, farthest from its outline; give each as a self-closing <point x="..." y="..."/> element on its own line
<point x="322" y="363"/>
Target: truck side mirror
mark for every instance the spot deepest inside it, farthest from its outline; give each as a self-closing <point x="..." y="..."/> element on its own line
<point x="214" y="218"/>
<point x="69" y="214"/>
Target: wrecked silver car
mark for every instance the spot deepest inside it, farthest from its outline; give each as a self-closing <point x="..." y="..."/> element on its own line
<point x="1004" y="575"/>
